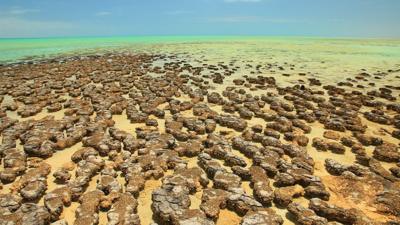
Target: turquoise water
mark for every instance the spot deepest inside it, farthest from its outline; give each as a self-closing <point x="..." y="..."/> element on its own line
<point x="17" y="49"/>
<point x="339" y="52"/>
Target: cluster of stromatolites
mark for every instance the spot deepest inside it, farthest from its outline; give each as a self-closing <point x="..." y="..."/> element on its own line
<point x="268" y="154"/>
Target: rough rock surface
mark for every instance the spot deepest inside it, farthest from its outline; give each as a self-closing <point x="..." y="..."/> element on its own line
<point x="266" y="216"/>
<point x="155" y="138"/>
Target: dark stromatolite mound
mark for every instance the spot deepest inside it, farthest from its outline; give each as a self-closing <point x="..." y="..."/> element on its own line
<point x="38" y="140"/>
<point x="210" y="166"/>
<point x="335" y="168"/>
<point x="108" y="184"/>
<point x="396" y="134"/>
<point x="14" y="164"/>
<point x="192" y="178"/>
<point x="378" y="117"/>
<point x="387" y="152"/>
<point x="395" y="171"/>
<point x="245" y="147"/>
<point x="29" y="110"/>
<point x="267" y="159"/>
<point x="281" y="124"/>
<point x="298" y="172"/>
<point x="264" y="216"/>
<point x="62" y="175"/>
<point x="56" y="200"/>
<point x="169" y="199"/>
<point x="226" y="181"/>
<point x="34" y="190"/>
<point x="368" y="140"/>
<point x="331" y="135"/>
<point x="324" y="145"/>
<point x="240" y="202"/>
<point x="83" y="153"/>
<point x="33" y="184"/>
<point x="28" y="213"/>
<point x="335" y="125"/>
<point x="261" y="187"/>
<point x="86" y="169"/>
<point x="102" y="142"/>
<point x="376" y="167"/>
<point x="214" y="98"/>
<point x="89" y="167"/>
<point x="212" y="201"/>
<point x="9" y="203"/>
<point x="191" y="216"/>
<point x="389" y="202"/>
<point x="190" y="148"/>
<point x="332" y="212"/>
<point x="317" y="189"/>
<point x="283" y="196"/>
<point x="60" y="222"/>
<point x="231" y="121"/>
<point x="203" y="111"/>
<point x="6" y="122"/>
<point x="305" y="216"/>
<point x="87" y="212"/>
<point x="123" y="211"/>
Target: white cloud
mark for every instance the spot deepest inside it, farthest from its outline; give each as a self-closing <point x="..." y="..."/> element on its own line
<point x="104" y="13"/>
<point x="20" y="27"/>
<point x="23" y="11"/>
<point x="178" y="12"/>
<point x="247" y="1"/>
<point x="17" y="11"/>
<point x="15" y="22"/>
<point x="251" y="19"/>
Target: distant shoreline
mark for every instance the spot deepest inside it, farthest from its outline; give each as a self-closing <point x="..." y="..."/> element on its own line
<point x="25" y="50"/>
<point x="207" y="36"/>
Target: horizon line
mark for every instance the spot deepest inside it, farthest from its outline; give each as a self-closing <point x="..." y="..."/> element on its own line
<point x="205" y="36"/>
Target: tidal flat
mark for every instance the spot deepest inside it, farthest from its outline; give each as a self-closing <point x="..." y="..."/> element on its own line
<point x="239" y="131"/>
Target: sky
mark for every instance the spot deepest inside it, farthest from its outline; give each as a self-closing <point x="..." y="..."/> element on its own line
<point x="322" y="18"/>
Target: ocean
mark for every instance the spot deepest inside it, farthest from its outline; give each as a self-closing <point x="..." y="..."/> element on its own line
<point x="17" y="49"/>
<point x="326" y="58"/>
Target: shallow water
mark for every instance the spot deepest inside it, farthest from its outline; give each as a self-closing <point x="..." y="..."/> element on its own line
<point x="318" y="53"/>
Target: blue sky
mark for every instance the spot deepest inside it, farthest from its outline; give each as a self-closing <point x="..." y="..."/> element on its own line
<point x="330" y="18"/>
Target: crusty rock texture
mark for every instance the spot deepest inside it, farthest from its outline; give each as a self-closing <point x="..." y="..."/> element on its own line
<point x="126" y="139"/>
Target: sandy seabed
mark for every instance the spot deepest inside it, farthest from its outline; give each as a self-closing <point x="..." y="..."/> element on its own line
<point x="153" y="138"/>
